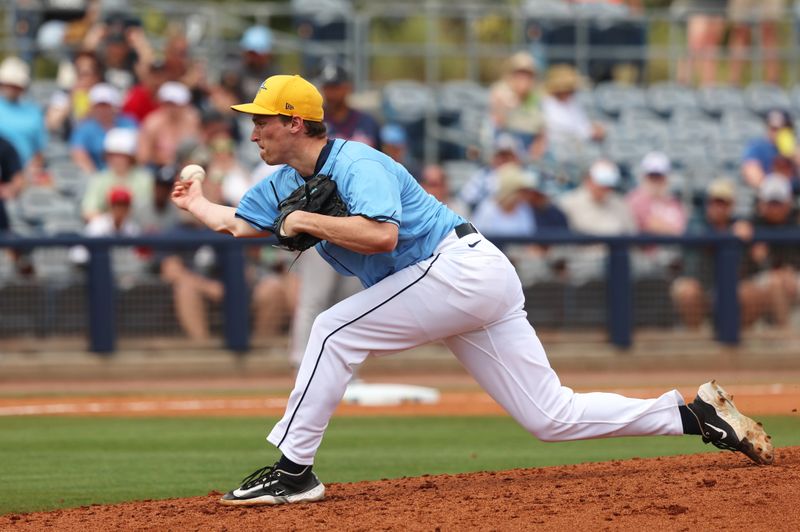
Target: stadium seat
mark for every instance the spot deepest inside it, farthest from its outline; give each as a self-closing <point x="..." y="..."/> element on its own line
<point x="665" y="97"/>
<point x="53" y="264"/>
<point x="474" y="128"/>
<point x="652" y="304"/>
<point x="35" y="203"/>
<point x="794" y="97"/>
<point x="406" y="101"/>
<point x="547" y="9"/>
<point x="454" y="99"/>
<point x="693" y="129"/>
<point x="761" y="97"/>
<point x="68" y="178"/>
<point x="7" y="268"/>
<point x="22" y="309"/>
<point x="626" y="152"/>
<point x="56" y="152"/>
<point x="544" y="303"/>
<point x="63" y="226"/>
<point x="613" y="98"/>
<point x="455" y="96"/>
<point x="70" y="315"/>
<point x="585" y="99"/>
<point x="717" y="99"/>
<point x="586" y="305"/>
<point x="459" y="172"/>
<point x="41" y="90"/>
<point x="727" y="152"/>
<point x="636" y="115"/>
<point x="741" y="125"/>
<point x="146" y="308"/>
<point x="745" y="204"/>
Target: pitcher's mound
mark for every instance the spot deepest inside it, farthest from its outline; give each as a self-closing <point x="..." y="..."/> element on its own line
<point x="720" y="491"/>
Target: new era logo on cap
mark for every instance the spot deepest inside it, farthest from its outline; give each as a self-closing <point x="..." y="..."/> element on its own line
<point x="285" y="95"/>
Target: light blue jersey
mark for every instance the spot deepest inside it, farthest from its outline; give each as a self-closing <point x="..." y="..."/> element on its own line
<point x="373" y="185"/>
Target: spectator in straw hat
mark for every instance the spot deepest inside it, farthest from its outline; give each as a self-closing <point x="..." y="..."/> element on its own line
<point x="565" y="119"/>
<point x="515" y="104"/>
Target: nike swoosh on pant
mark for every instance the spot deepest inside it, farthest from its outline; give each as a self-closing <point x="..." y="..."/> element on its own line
<point x="474" y="243"/>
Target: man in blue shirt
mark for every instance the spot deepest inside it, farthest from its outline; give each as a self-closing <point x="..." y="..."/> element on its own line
<point x="428" y="276"/>
<point x="87" y="140"/>
<point x="21" y="121"/>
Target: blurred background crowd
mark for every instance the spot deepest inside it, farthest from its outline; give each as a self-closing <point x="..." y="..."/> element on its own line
<point x="587" y="123"/>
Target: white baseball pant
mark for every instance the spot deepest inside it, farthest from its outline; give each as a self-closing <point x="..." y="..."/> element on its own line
<point x="320" y="288"/>
<point x="468" y="295"/>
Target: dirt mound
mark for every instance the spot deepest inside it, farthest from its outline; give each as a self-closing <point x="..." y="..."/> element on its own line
<point x="723" y="491"/>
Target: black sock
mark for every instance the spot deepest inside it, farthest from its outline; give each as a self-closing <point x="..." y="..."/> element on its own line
<point x="690" y="423"/>
<point x="290" y="467"/>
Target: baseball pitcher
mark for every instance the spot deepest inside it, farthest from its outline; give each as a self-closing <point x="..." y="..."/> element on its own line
<point x="428" y="275"/>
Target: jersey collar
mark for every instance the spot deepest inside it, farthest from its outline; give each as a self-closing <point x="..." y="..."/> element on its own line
<point x="323" y="157"/>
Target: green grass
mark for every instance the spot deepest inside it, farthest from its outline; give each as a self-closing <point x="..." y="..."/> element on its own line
<point x="55" y="462"/>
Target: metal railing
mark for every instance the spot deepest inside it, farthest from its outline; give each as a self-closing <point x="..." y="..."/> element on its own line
<point x="618" y="278"/>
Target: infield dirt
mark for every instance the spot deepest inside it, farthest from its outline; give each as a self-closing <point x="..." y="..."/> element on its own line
<point x="723" y="491"/>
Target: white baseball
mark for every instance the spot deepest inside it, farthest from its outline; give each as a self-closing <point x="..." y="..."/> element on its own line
<point x="193" y="171"/>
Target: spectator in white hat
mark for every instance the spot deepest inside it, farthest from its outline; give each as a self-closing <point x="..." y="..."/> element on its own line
<point x="21" y="122"/>
<point x="166" y="128"/>
<point x="119" y="148"/>
<point x="595" y="208"/>
<point x="86" y="142"/>
<point x="652" y="204"/>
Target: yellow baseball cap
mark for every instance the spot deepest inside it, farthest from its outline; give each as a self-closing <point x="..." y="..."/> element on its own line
<point x="285" y="95"/>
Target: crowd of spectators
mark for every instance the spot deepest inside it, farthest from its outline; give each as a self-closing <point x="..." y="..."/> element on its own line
<point x="133" y="114"/>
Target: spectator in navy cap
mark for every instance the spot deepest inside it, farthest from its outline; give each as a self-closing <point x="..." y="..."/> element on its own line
<point x="342" y="120"/>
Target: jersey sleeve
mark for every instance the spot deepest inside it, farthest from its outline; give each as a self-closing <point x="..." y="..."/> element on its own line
<point x="259" y="205"/>
<point x="372" y="191"/>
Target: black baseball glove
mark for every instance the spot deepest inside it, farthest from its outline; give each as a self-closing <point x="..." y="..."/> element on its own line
<point x="318" y="195"/>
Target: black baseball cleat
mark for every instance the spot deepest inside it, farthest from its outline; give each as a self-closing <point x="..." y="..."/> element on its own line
<point x="725" y="427"/>
<point x="270" y="485"/>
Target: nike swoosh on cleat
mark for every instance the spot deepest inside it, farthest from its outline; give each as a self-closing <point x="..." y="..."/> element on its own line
<point x="724" y="433"/>
<point x="258" y="487"/>
<point x="474" y="244"/>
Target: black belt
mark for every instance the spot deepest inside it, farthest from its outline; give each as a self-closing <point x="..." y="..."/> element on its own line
<point x="465" y="229"/>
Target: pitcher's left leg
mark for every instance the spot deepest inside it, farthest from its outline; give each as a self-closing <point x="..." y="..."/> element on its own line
<point x="509" y="362"/>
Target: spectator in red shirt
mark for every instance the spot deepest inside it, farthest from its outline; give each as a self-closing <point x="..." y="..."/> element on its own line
<point x="142" y="99"/>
